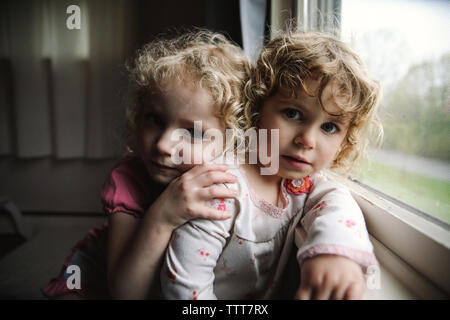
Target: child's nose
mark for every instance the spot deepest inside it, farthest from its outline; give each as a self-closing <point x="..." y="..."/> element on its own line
<point x="165" y="144"/>
<point x="306" y="138"/>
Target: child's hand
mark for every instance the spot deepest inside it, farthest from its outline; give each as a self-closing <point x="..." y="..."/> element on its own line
<point x="330" y="277"/>
<point x="185" y="197"/>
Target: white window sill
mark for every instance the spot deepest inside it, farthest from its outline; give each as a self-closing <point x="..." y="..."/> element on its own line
<point x="414" y="253"/>
<point x="390" y="287"/>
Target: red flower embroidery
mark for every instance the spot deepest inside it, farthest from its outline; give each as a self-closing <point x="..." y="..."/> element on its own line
<point x="222" y="205"/>
<point x="298" y="187"/>
<point x="348" y="223"/>
<point x="203" y="253"/>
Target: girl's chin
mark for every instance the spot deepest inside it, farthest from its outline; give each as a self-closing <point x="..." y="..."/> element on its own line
<point x="294" y="174"/>
<point x="161" y="178"/>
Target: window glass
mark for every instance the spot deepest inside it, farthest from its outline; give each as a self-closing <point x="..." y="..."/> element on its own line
<point x="406" y="46"/>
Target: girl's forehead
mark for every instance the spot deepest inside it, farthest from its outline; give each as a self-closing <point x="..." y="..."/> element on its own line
<point x="331" y="98"/>
<point x="184" y="101"/>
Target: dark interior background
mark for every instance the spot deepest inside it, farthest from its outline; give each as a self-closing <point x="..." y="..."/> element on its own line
<point x="51" y="185"/>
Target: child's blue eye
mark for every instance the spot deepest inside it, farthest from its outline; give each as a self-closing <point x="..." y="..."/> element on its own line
<point x="329" y="127"/>
<point x="293" y="114"/>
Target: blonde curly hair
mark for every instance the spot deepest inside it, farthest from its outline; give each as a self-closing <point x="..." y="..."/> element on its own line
<point x="295" y="56"/>
<point x="207" y="59"/>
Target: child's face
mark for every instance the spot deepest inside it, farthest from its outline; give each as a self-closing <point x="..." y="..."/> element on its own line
<point x="177" y="107"/>
<point x="309" y="137"/>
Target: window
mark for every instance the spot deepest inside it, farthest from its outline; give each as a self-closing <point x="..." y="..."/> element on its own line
<point x="406" y="47"/>
<point x="405" y="190"/>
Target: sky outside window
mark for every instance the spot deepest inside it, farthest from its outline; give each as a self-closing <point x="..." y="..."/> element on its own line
<point x="406" y="46"/>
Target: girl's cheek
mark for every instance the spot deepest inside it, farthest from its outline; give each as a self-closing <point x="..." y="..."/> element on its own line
<point x="212" y="150"/>
<point x="207" y="157"/>
<point x="194" y="155"/>
<point x="147" y="137"/>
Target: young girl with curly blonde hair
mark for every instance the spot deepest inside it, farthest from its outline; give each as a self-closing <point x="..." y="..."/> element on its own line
<point x="315" y="93"/>
<point x="197" y="76"/>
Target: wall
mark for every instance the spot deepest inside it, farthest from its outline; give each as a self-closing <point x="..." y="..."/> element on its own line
<point x="48" y="185"/>
<point x="72" y="186"/>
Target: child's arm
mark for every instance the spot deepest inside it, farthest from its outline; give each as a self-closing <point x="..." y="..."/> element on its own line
<point x="330" y="277"/>
<point x="336" y="246"/>
<point x="134" y="252"/>
<point x="136" y="246"/>
<point x="192" y="255"/>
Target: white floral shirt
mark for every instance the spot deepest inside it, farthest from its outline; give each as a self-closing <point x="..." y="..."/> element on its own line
<point x="244" y="257"/>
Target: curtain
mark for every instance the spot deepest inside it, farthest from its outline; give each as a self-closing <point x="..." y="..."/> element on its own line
<point x="253" y="19"/>
<point x="61" y="89"/>
<point x="319" y="15"/>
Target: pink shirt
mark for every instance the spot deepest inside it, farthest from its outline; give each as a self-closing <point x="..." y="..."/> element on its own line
<point x="127" y="189"/>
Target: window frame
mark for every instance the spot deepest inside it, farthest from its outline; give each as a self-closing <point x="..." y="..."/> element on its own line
<point x="413" y="248"/>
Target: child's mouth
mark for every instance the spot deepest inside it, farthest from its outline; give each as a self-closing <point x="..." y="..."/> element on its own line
<point x="161" y="167"/>
<point x="296" y="162"/>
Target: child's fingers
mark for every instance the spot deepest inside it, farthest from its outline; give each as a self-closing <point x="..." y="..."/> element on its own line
<point x="216" y="192"/>
<point x="214" y="177"/>
<point x="354" y="292"/>
<point x="303" y="293"/>
<point x="338" y="293"/>
<point x="321" y="293"/>
<point x="213" y="214"/>
<point x="197" y="170"/>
